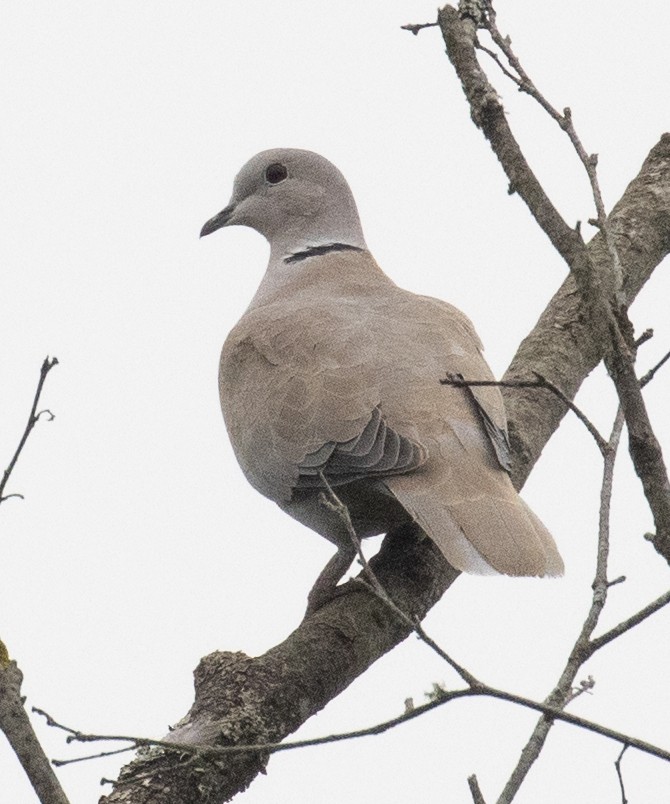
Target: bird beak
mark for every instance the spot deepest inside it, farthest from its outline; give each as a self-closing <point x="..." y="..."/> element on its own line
<point x="218" y="220"/>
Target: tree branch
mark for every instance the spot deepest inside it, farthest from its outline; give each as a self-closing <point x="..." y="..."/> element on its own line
<point x="631" y="622"/>
<point x="582" y="648"/>
<point x="196" y="753"/>
<point x="561" y="346"/>
<point x="599" y="283"/>
<point x="617" y="767"/>
<point x="243" y="700"/>
<point x="18" y="730"/>
<point x="540" y="382"/>
<point x="14" y="721"/>
<point x="33" y="418"/>
<point x="475" y="791"/>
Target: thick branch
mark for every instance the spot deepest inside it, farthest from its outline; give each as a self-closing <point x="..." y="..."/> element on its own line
<point x="239" y="699"/>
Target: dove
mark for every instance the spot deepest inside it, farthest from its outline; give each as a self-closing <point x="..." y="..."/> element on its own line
<point x="330" y="385"/>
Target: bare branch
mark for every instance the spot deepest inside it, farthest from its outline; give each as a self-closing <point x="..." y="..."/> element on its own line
<point x="291" y="681"/>
<point x="600" y="284"/>
<point x="540" y="382"/>
<point x="617" y="765"/>
<point x="372" y="583"/>
<point x="561" y="345"/>
<point x="440" y="698"/>
<point x="492" y="54"/>
<point x="18" y="730"/>
<point x="551" y="710"/>
<point x="34" y="417"/>
<point x="649" y="376"/>
<point x="488" y="114"/>
<point x="589" y="161"/>
<point x="59" y="763"/>
<point x="563" y="691"/>
<point x="619" y="358"/>
<point x="414" y="28"/>
<point x="631" y="622"/>
<point x="475" y="792"/>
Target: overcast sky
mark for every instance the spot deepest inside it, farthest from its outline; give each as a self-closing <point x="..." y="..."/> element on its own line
<point x="139" y="546"/>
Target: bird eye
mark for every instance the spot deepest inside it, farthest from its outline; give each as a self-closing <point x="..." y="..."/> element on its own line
<point x="275" y="173"/>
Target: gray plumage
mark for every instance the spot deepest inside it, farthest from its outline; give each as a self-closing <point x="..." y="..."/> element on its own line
<point x="335" y="371"/>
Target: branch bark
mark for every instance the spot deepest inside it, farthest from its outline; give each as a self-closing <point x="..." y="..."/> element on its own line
<point x="246" y="700"/>
<point x="18" y="730"/>
<point x="561" y="341"/>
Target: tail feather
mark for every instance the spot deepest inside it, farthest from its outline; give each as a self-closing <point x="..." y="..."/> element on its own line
<point x="484" y="535"/>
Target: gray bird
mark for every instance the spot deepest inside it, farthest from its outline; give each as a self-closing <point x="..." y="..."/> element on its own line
<point x="332" y="376"/>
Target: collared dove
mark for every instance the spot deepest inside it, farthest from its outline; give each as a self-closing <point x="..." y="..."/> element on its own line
<point x="331" y="378"/>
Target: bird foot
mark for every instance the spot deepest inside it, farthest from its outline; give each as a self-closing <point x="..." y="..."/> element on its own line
<point x="322" y="595"/>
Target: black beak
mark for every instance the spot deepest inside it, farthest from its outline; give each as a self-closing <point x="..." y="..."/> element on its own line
<point x="218" y="220"/>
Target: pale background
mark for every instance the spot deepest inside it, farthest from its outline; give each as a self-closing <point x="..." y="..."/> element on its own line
<point x="139" y="546"/>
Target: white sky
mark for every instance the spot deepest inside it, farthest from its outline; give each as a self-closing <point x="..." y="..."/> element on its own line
<point x="139" y="546"/>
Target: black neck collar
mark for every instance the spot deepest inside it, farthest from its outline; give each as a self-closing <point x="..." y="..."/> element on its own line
<point x="316" y="251"/>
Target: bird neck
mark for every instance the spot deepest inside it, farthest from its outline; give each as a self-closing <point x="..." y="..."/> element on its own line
<point x="322" y="270"/>
<point x="323" y="227"/>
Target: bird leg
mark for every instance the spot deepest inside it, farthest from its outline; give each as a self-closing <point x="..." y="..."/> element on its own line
<point x="325" y="587"/>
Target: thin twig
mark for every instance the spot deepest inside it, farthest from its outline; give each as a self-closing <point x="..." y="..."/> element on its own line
<point x="540" y="382"/>
<point x="374" y="586"/>
<point x="646" y="335"/>
<point x="416" y="27"/>
<point x="631" y="622"/>
<point x="584" y="686"/>
<point x="617" y="765"/>
<point x="543" y="382"/>
<point x="564" y="120"/>
<point x="47" y="365"/>
<point x="489" y="115"/>
<point x="497" y="60"/>
<point x="644" y="447"/>
<point x="649" y="376"/>
<point x="475" y="791"/>
<point x="562" y="692"/>
<point x="77" y="736"/>
<point x="600" y="441"/>
<point x="444" y="697"/>
<point x="59" y="763"/>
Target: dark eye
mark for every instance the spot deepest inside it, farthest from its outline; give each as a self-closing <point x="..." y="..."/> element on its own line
<point x="275" y="173"/>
